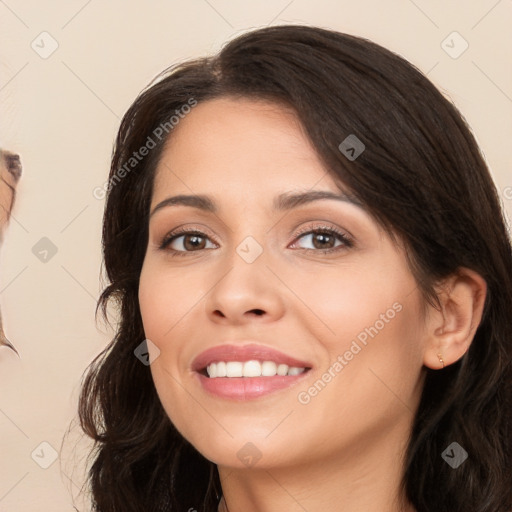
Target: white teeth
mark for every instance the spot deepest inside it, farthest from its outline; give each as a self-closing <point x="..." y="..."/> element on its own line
<point x="221" y="369"/>
<point x="250" y="369"/>
<point x="268" y="368"/>
<point x="234" y="369"/>
<point x="282" y="369"/>
<point x="295" y="371"/>
<point x="212" y="371"/>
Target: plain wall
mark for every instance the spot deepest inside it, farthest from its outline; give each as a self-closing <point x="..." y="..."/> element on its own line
<point x="62" y="113"/>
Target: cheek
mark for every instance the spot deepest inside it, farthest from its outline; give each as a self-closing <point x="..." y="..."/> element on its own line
<point x="371" y="319"/>
<point x="165" y="299"/>
<point x="349" y="299"/>
<point x="371" y="351"/>
<point x="152" y="299"/>
<point x="166" y="296"/>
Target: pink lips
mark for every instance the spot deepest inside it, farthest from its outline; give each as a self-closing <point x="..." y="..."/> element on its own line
<point x="244" y="388"/>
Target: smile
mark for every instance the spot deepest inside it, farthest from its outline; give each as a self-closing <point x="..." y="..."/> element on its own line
<point x="252" y="368"/>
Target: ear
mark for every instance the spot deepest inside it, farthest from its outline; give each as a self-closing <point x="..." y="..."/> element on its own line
<point x="450" y="329"/>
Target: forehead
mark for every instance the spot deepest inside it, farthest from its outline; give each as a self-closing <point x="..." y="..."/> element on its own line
<point x="241" y="144"/>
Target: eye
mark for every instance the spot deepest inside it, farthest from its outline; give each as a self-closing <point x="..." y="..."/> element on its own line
<point x="192" y="240"/>
<point x="324" y="239"/>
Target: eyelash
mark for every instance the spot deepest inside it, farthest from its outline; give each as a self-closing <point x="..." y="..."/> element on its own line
<point x="347" y="242"/>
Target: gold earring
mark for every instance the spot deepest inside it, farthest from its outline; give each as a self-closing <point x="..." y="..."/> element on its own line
<point x="440" y="359"/>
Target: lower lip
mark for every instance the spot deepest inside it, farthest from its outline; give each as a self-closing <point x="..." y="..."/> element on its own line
<point x="247" y="388"/>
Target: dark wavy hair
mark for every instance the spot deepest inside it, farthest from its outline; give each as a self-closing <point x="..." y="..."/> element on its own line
<point x="422" y="177"/>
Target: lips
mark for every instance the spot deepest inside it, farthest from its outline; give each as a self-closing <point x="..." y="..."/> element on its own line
<point x="242" y="353"/>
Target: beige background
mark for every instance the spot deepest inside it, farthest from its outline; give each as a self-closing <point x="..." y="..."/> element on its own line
<point x="62" y="112"/>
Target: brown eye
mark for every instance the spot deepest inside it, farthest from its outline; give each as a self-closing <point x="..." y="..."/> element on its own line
<point x="325" y="239"/>
<point x="322" y="240"/>
<point x="184" y="241"/>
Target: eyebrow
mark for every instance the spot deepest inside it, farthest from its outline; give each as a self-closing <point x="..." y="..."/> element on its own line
<point x="283" y="202"/>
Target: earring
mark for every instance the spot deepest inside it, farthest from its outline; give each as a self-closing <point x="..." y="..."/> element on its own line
<point x="440" y="359"/>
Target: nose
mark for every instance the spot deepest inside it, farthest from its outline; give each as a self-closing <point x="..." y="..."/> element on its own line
<point x="245" y="293"/>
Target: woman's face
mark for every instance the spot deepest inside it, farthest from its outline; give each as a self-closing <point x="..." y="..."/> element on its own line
<point x="347" y="307"/>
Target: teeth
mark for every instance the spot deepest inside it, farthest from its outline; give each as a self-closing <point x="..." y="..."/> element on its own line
<point x="268" y="368"/>
<point x="295" y="371"/>
<point x="250" y="369"/>
<point x="282" y="369"/>
<point x="221" y="369"/>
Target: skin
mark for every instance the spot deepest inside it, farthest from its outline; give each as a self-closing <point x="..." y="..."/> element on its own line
<point x="342" y="447"/>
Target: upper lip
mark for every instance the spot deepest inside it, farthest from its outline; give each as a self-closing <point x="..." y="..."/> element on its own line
<point x="248" y="352"/>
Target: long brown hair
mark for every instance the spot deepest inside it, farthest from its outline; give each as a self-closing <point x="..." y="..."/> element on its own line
<point x="422" y="177"/>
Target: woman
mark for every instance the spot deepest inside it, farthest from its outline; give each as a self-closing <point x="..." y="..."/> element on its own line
<point x="313" y="278"/>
